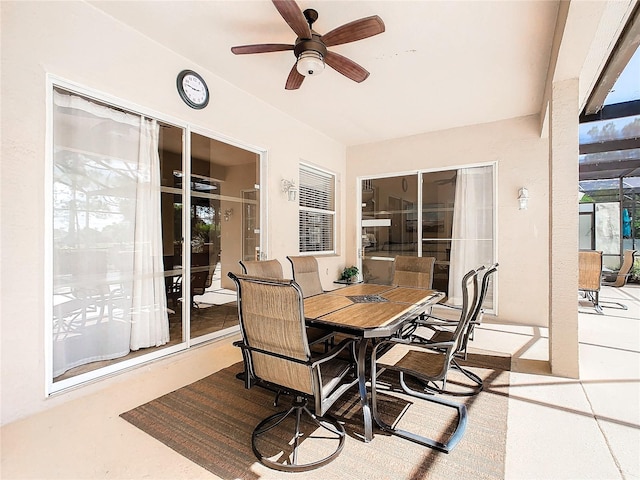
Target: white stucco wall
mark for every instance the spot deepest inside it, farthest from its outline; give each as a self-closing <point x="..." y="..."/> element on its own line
<point x="82" y="45"/>
<point x="521" y="158"/>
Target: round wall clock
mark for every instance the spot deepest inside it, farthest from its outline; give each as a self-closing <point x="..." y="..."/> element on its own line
<point x="192" y="89"/>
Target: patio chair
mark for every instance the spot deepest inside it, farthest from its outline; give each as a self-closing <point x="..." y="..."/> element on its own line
<point x="262" y="268"/>
<point x="443" y="329"/>
<point x="413" y="271"/>
<point x="414" y="359"/>
<point x="306" y="274"/>
<point x="619" y="278"/>
<point x="589" y="276"/>
<point x="273" y="269"/>
<point x="274" y="340"/>
<point x="416" y="272"/>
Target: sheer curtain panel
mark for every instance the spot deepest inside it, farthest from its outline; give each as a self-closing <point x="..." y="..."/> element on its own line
<point x="108" y="279"/>
<point x="472" y="232"/>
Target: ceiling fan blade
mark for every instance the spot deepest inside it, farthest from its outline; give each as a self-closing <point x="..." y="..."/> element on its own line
<point x="292" y="14"/>
<point x="294" y="80"/>
<point x="352" y="31"/>
<point x="346" y="67"/>
<point x="261" y="48"/>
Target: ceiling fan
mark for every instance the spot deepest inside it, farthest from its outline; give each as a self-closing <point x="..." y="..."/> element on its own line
<point x="310" y="47"/>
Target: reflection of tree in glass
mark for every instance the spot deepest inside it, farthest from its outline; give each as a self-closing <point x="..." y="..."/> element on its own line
<point x="632" y="129"/>
<point x="93" y="197"/>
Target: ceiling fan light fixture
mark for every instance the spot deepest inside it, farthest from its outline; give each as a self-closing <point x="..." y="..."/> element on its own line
<point x="310" y="63"/>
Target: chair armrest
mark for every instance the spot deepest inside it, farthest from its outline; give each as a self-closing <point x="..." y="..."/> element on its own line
<point x="333" y="353"/>
<point x="439" y="320"/>
<point x="246" y="347"/>
<point x="432" y="321"/>
<point x="453" y="307"/>
<point x="407" y="343"/>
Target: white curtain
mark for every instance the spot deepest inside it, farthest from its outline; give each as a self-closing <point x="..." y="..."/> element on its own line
<point x="149" y="294"/>
<point x="472" y="242"/>
<point x="108" y="286"/>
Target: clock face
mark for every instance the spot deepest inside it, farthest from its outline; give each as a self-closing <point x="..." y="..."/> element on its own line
<point x="193" y="89"/>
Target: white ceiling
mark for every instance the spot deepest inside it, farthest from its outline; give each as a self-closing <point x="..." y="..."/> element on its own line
<point x="438" y="65"/>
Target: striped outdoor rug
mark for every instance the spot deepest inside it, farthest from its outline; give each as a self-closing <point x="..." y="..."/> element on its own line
<point x="210" y="422"/>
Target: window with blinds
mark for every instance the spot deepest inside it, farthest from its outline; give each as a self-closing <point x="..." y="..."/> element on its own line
<point x="317" y="210"/>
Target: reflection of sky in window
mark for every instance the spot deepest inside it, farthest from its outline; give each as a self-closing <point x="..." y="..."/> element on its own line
<point x="609" y="184"/>
<point x="611" y="129"/>
<point x="627" y="87"/>
<point x="610" y="156"/>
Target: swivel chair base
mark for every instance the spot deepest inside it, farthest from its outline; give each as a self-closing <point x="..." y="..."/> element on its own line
<point x="289" y="459"/>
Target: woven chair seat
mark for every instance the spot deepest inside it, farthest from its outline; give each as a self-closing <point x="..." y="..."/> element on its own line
<point x="419" y="363"/>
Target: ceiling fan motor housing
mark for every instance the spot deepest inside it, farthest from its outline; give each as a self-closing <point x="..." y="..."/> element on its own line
<point x="311" y="49"/>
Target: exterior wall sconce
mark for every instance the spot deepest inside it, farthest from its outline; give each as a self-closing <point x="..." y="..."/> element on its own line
<point x="523" y="198"/>
<point x="227" y="214"/>
<point x="289" y="187"/>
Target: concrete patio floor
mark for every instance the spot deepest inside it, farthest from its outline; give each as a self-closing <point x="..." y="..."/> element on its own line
<point x="558" y="428"/>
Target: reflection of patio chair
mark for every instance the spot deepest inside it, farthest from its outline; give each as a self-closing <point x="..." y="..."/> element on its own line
<point x="428" y="364"/>
<point x="201" y="277"/>
<point x="589" y="275"/>
<point x="276" y="350"/>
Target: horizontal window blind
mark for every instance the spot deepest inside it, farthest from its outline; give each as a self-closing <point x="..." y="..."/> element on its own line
<point x="317" y="210"/>
<point x="316" y="189"/>
<point x="316" y="232"/>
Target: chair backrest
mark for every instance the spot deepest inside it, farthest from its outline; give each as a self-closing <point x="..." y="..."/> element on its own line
<point x="478" y="312"/>
<point x="413" y="271"/>
<point x="271" y="313"/>
<point x="306" y="274"/>
<point x="627" y="265"/>
<point x="589" y="270"/>
<point x="470" y="300"/>
<point x="262" y="268"/>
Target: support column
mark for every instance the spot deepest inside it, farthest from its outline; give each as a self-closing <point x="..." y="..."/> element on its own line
<point x="563" y="228"/>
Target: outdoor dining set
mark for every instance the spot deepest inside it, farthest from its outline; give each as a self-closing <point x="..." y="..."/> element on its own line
<point x="314" y="346"/>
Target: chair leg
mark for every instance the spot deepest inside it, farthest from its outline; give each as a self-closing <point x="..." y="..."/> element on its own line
<point x="299" y="408"/>
<point x="445" y="447"/>
<point x="620" y="306"/>
<point x="471" y="376"/>
<point x="594" y="298"/>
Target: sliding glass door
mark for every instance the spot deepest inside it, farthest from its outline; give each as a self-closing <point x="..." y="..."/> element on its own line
<point x="389" y="224"/>
<point x="448" y="215"/>
<point x="139" y="255"/>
